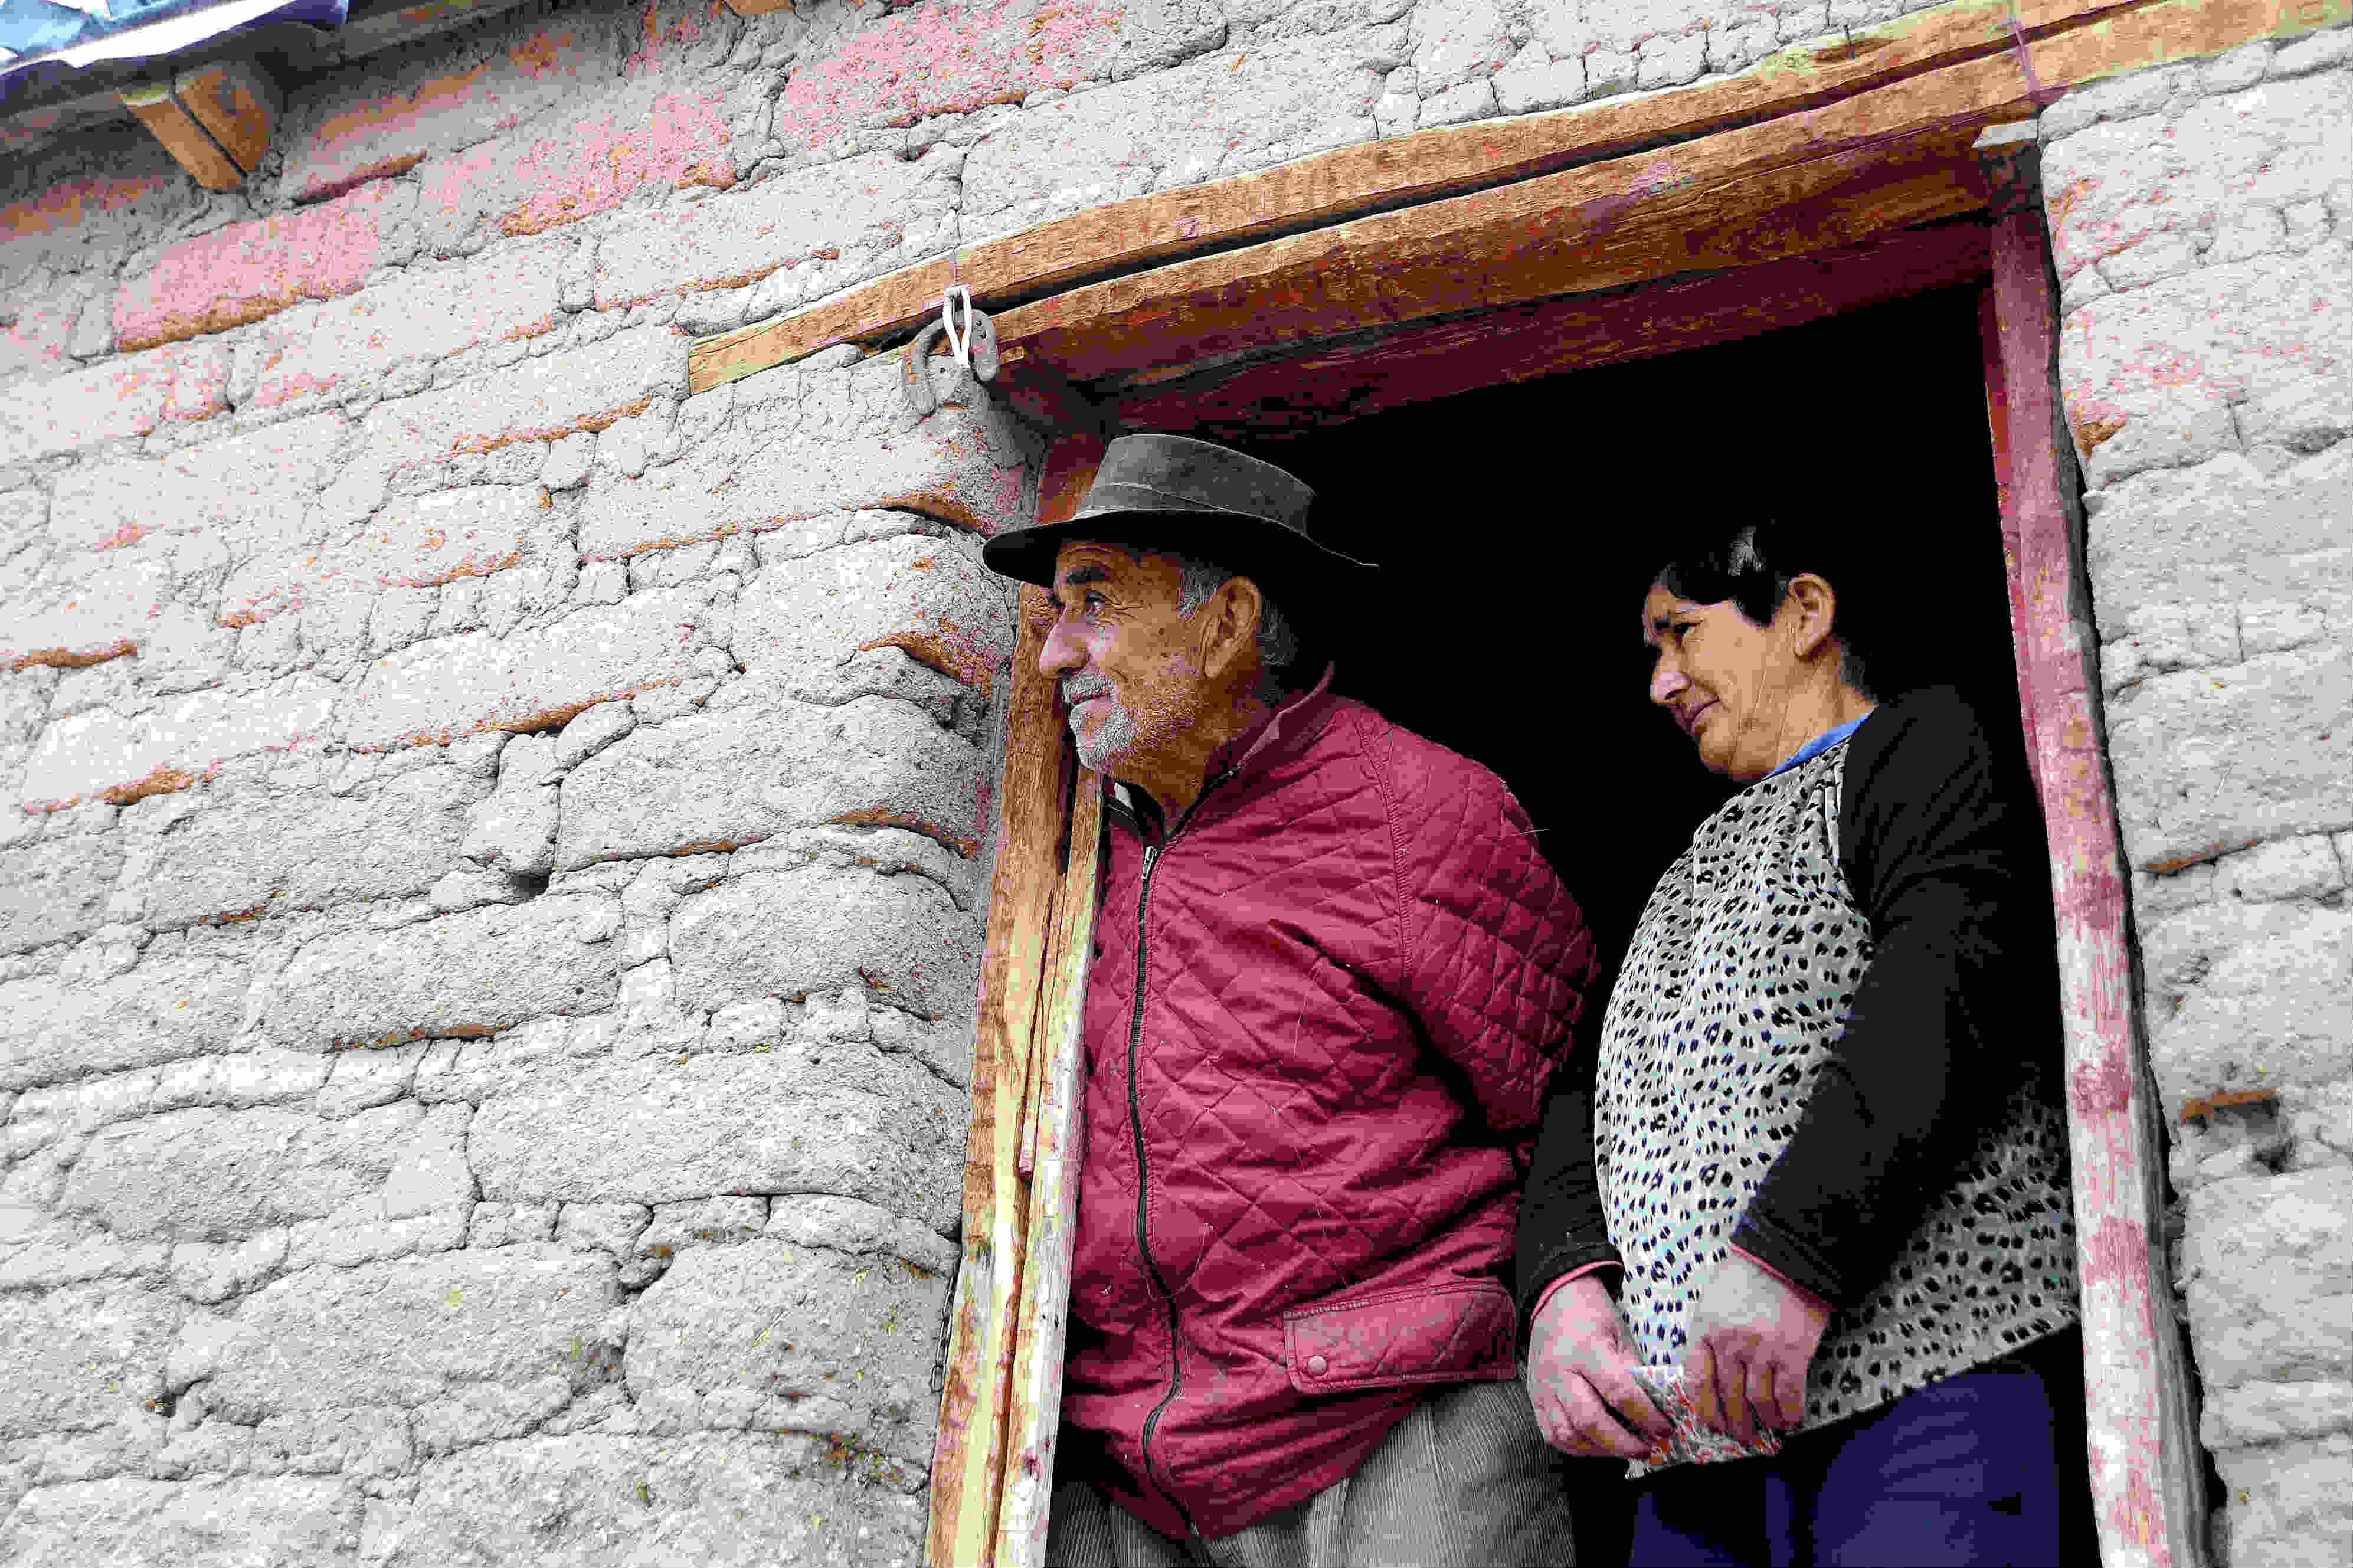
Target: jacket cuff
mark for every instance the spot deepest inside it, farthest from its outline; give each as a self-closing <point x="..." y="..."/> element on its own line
<point x="1786" y="1258"/>
<point x="1553" y="1289"/>
<point x="1816" y="1297"/>
<point x="1557" y="1267"/>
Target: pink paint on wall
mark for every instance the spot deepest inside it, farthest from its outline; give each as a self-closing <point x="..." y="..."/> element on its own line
<point x="546" y="55"/>
<point x="667" y="26"/>
<point x="356" y="144"/>
<point x="422" y="312"/>
<point x="35" y="338"/>
<point x="389" y="135"/>
<point x="250" y="271"/>
<point x="591" y="167"/>
<point x="946" y="60"/>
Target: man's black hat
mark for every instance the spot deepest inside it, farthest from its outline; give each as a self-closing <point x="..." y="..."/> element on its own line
<point x="1193" y="497"/>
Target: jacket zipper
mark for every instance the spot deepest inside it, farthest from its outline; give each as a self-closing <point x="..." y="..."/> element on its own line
<point x="1152" y="853"/>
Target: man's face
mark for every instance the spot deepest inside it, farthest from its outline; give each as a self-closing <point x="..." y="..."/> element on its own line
<point x="1727" y="682"/>
<point x="1125" y="661"/>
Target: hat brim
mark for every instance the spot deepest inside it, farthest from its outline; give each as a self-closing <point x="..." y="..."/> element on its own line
<point x="1283" y="563"/>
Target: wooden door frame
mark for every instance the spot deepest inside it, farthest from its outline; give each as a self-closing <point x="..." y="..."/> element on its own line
<point x="1799" y="200"/>
<point x="1001" y="1397"/>
<point x="998" y="1414"/>
<point x="2148" y="1469"/>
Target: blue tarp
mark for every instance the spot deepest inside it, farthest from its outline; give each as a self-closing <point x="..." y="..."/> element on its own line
<point x="43" y="39"/>
<point x="42" y="27"/>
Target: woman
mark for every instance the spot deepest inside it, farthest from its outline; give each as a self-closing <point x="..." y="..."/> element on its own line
<point x="1821" y="1170"/>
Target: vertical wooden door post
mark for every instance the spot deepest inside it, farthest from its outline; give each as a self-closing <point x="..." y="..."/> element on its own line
<point x="2146" y="1482"/>
<point x="1053" y="1138"/>
<point x="1998" y="427"/>
<point x="1001" y="1392"/>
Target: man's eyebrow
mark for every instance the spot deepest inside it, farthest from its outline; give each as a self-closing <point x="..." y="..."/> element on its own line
<point x="1093" y="572"/>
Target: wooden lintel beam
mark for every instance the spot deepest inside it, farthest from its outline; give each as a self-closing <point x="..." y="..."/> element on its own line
<point x="1350" y="182"/>
<point x="1628" y="221"/>
<point x="1370" y="372"/>
<point x="2103" y="38"/>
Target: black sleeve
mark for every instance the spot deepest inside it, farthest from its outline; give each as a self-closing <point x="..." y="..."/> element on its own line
<point x="1942" y="842"/>
<point x="1562" y="1227"/>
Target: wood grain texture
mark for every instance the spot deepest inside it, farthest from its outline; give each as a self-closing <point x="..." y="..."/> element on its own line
<point x="1034" y="1418"/>
<point x="237" y="103"/>
<point x="1063" y="477"/>
<point x="1997" y="429"/>
<point x="1351" y="182"/>
<point x="1063" y="481"/>
<point x="1626" y="222"/>
<point x="1366" y="374"/>
<point x="188" y="143"/>
<point x="2069" y="42"/>
<point x="2145" y="1460"/>
<point x="969" y="1457"/>
<point x="1033" y="1085"/>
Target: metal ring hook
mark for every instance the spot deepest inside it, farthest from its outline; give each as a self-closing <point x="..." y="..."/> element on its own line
<point x="959" y="342"/>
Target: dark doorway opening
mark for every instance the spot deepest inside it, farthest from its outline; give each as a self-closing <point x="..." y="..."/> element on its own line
<point x="1519" y="527"/>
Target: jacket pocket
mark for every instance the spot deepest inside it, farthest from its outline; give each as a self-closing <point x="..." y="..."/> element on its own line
<point x="1440" y="1334"/>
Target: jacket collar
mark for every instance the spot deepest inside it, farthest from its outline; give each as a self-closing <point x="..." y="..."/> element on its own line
<point x="1274" y="734"/>
<point x="1298" y="720"/>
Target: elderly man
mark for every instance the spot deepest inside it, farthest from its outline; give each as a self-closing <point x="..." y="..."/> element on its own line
<point x="1332" y="979"/>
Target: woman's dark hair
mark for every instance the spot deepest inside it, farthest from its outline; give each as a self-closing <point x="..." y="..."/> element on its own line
<point x="1752" y="563"/>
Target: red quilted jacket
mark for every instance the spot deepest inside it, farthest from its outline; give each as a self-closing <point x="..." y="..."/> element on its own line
<point x="1322" y="1010"/>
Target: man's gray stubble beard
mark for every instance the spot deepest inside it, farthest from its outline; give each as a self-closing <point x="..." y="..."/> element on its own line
<point x="1117" y="732"/>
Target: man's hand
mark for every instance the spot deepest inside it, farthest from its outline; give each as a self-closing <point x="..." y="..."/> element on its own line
<point x="1751" y="1339"/>
<point x="1580" y="1368"/>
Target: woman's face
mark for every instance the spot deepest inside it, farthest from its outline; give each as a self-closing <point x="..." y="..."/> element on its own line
<point x="1730" y="683"/>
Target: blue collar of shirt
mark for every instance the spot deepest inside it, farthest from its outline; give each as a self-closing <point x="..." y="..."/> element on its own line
<point x="1820" y="744"/>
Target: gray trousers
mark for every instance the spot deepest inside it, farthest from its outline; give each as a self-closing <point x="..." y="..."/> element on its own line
<point x="1465" y="1481"/>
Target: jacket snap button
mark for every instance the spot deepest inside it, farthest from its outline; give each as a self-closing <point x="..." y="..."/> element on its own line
<point x="1316" y="1363"/>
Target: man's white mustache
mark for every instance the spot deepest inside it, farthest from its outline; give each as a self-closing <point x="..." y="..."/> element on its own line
<point x="1075" y="695"/>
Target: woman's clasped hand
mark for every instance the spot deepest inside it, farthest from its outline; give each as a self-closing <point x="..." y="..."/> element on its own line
<point x="1581" y="1376"/>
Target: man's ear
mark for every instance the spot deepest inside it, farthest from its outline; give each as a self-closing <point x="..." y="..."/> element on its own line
<point x="1813" y="604"/>
<point x="1229" y="626"/>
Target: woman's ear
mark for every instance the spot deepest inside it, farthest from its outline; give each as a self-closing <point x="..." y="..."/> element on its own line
<point x="1812" y="606"/>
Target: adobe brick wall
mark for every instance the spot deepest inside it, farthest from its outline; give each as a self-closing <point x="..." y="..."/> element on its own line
<point x="2201" y="216"/>
<point x="496" y="848"/>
